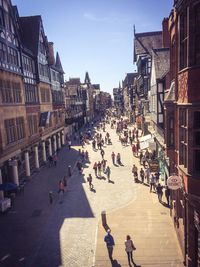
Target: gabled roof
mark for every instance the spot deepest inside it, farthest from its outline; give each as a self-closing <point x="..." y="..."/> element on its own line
<point x="87" y="78"/>
<point x="30" y="29"/>
<point x="129" y="79"/>
<point x="96" y="86"/>
<point x="161" y="59"/>
<point x="145" y="42"/>
<point x="58" y="64"/>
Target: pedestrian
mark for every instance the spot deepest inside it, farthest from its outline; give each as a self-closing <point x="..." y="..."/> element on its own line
<point x="61" y="187"/>
<point x="79" y="166"/>
<point x="50" y="158"/>
<point x="118" y="159"/>
<point x="55" y="159"/>
<point x="147" y="174"/>
<point x="152" y="182"/>
<point x="94" y="145"/>
<point x="167" y="195"/>
<point x="129" y="247"/>
<point x="159" y="189"/>
<point x="102" y="153"/>
<point x="109" y="240"/>
<point x="141" y="156"/>
<point x="142" y="175"/>
<point x="137" y="146"/>
<point x="108" y="171"/>
<point x="50" y="197"/>
<point x="69" y="144"/>
<point x="65" y="181"/>
<point x="134" y="149"/>
<point x="113" y="158"/>
<point x="103" y="164"/>
<point x="157" y="177"/>
<point x="99" y="168"/>
<point x="90" y="182"/>
<point x="95" y="168"/>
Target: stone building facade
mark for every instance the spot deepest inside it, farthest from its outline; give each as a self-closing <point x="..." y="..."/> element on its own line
<point x="31" y="96"/>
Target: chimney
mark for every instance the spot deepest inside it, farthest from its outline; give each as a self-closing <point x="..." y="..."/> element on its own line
<point x="51" y="53"/>
<point x="165" y="33"/>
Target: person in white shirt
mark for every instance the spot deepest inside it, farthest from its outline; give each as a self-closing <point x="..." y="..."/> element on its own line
<point x="129" y="247"/>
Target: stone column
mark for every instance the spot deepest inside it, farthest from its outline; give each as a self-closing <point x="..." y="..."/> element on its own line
<point x="50" y="147"/>
<point x="27" y="164"/>
<point x="15" y="172"/>
<point x="44" y="155"/>
<point x="62" y="138"/>
<point x="59" y="142"/>
<point x="37" y="165"/>
<point x="54" y="144"/>
<point x="1" y="192"/>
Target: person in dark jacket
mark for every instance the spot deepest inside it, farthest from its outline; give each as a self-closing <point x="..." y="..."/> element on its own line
<point x="109" y="240"/>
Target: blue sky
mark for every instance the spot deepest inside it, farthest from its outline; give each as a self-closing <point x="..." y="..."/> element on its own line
<point x="96" y="35"/>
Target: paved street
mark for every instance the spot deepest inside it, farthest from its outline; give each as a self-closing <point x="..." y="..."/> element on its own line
<point x="35" y="233"/>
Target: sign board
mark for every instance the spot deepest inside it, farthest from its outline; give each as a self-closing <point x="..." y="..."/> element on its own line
<point x="154" y="166"/>
<point x="144" y="141"/>
<point x="174" y="182"/>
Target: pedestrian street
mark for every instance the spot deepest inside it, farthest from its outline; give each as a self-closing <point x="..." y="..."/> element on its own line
<point x="71" y="235"/>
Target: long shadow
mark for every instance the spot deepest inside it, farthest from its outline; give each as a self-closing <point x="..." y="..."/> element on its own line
<point x="30" y="231"/>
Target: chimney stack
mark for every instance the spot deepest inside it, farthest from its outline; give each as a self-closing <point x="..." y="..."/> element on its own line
<point x="51" y="53"/>
<point x="165" y="33"/>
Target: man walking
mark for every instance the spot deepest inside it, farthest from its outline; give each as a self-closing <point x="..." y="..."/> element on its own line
<point x="109" y="240"/>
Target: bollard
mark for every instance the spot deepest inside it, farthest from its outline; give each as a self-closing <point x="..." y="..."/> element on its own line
<point x="69" y="171"/>
<point x="103" y="218"/>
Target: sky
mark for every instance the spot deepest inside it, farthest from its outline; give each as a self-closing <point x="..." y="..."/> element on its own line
<point x="96" y="35"/>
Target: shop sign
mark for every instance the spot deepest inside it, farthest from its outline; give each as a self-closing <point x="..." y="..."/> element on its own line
<point x="174" y="182"/>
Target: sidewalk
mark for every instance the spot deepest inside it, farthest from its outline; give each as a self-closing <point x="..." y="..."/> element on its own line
<point x="149" y="224"/>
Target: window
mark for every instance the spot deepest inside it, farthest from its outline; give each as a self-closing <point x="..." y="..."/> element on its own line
<point x="20" y="128"/>
<point x="170" y="134"/>
<point x="1" y="18"/>
<point x="173" y="58"/>
<point x="43" y="70"/>
<point x="12" y="56"/>
<point x="183" y="137"/>
<point x="197" y="120"/>
<point x="3" y="52"/>
<point x="10" y="92"/>
<point x="197" y="34"/>
<point x="196" y="144"/>
<point x="10" y="130"/>
<point x="183" y="40"/>
<point x="31" y="94"/>
<point x="33" y="124"/>
<point x="28" y="64"/>
<point x="197" y="160"/>
<point x="45" y="95"/>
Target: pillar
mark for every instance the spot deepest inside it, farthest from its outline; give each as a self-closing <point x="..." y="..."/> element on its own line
<point x="50" y="147"/>
<point x="54" y="144"/>
<point x="1" y="192"/>
<point x="44" y="155"/>
<point x="37" y="165"/>
<point x="62" y="138"/>
<point x="59" y="142"/>
<point x="15" y="172"/>
<point x="27" y="164"/>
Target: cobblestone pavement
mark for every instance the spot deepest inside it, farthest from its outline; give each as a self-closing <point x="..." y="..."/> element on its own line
<point x="37" y="234"/>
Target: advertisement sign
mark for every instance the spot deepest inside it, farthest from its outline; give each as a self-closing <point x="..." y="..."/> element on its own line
<point x="174" y="182"/>
<point x="154" y="166"/>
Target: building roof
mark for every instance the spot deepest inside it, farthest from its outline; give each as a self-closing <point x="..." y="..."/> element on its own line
<point x="30" y="29"/>
<point x="129" y="79"/>
<point x="58" y="64"/>
<point x="161" y="59"/>
<point x="145" y="42"/>
<point x="96" y="86"/>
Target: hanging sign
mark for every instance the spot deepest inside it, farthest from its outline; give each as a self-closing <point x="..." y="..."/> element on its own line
<point x="174" y="182"/>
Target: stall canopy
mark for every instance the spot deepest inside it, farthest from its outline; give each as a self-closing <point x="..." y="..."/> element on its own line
<point x="145" y="140"/>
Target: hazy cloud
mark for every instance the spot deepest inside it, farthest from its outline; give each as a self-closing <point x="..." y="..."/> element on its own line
<point x="92" y="17"/>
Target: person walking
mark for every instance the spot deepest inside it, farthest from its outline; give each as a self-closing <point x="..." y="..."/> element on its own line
<point x="108" y="171"/>
<point x="99" y="169"/>
<point x="90" y="182"/>
<point x="55" y="159"/>
<point x="109" y="240"/>
<point x="102" y="153"/>
<point x="159" y="189"/>
<point x="152" y="182"/>
<point x="167" y="195"/>
<point x="118" y="159"/>
<point x="69" y="144"/>
<point x="129" y="247"/>
<point x="147" y="174"/>
<point x="142" y="175"/>
<point x="113" y="158"/>
<point x="95" y="168"/>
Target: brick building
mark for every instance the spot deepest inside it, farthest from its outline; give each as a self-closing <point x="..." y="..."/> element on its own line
<point x="31" y="95"/>
<point x="182" y="117"/>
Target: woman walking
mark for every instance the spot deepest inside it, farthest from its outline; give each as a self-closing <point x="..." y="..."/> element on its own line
<point x="129" y="247"/>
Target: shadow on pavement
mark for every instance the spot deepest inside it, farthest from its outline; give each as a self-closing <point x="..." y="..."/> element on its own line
<point x="31" y="230"/>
